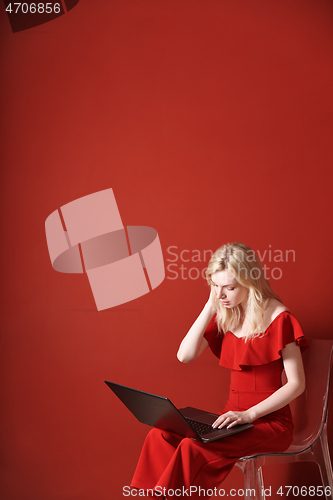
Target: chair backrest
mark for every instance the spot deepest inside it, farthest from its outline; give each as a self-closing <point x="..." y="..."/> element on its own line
<point x="309" y="410"/>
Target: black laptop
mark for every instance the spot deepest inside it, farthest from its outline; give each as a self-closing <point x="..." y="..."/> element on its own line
<point x="160" y="412"/>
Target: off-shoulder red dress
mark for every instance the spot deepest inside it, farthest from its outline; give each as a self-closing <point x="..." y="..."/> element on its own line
<point x="170" y="462"/>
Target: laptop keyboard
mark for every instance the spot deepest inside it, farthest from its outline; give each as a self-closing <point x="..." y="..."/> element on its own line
<point x="201" y="429"/>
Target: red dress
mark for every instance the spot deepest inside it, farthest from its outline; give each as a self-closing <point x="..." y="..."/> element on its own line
<point x="170" y="462"/>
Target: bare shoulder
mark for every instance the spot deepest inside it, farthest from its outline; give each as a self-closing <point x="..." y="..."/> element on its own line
<point x="273" y="309"/>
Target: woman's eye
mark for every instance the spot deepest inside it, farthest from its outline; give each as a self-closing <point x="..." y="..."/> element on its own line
<point x="231" y="289"/>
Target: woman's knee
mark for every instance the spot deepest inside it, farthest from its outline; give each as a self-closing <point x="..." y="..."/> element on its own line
<point x="154" y="434"/>
<point x="189" y="444"/>
<point x="162" y="436"/>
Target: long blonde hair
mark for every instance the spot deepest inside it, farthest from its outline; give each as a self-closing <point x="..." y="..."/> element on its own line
<point x="244" y="265"/>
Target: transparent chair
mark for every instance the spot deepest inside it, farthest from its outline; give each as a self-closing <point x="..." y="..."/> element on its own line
<point x="310" y="411"/>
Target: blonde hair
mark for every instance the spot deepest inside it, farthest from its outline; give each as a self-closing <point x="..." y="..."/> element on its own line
<point x="244" y="265"/>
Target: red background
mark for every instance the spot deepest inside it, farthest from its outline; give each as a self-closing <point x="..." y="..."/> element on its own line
<point x="212" y="122"/>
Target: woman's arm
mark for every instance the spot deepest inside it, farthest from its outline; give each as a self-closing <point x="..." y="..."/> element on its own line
<point x="194" y="343"/>
<point x="295" y="385"/>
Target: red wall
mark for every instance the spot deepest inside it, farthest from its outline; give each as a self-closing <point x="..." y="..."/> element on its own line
<point x="212" y="122"/>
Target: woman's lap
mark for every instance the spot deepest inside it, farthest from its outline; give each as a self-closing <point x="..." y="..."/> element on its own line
<point x="170" y="461"/>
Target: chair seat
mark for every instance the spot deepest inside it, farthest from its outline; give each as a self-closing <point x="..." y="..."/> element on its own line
<point x="310" y="412"/>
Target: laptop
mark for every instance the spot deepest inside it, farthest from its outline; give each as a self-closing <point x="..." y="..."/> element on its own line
<point x="158" y="411"/>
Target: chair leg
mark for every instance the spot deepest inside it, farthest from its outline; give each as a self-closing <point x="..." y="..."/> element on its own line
<point x="261" y="486"/>
<point x="252" y="480"/>
<point x="322" y="457"/>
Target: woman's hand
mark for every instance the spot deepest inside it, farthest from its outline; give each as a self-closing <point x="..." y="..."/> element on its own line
<point x="232" y="418"/>
<point x="211" y="302"/>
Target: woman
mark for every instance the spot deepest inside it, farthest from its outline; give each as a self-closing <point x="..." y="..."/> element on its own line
<point x="246" y="325"/>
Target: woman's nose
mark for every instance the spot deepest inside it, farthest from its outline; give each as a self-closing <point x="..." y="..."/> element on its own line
<point x="221" y="294"/>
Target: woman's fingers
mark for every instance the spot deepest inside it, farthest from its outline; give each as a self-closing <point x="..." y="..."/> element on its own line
<point x="221" y="421"/>
<point x="235" y="422"/>
<point x="218" y="421"/>
<point x="227" y="420"/>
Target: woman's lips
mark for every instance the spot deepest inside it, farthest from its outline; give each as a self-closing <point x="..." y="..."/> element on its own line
<point x="225" y="303"/>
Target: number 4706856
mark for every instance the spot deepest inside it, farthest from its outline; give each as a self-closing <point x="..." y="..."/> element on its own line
<point x="303" y="491"/>
<point x="33" y="8"/>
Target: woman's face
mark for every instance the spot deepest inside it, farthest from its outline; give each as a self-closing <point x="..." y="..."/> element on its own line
<point x="228" y="291"/>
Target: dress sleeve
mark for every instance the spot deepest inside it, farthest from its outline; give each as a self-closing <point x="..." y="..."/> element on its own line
<point x="213" y="337"/>
<point x="291" y="331"/>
